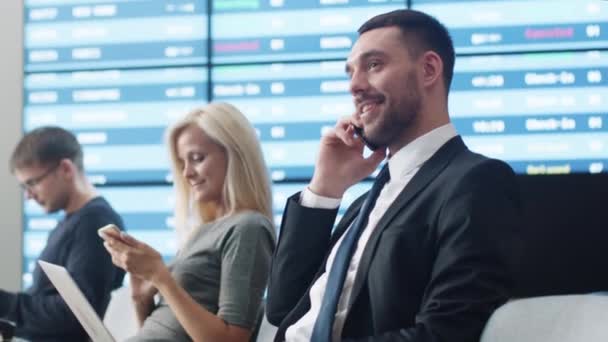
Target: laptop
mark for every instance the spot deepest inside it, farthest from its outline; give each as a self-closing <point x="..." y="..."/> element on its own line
<point x="77" y="302"/>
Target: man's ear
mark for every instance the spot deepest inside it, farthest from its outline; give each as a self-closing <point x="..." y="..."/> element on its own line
<point x="432" y="69"/>
<point x="67" y="167"/>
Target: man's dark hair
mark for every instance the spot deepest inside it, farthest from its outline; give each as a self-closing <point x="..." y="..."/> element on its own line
<point x="46" y="146"/>
<point x="421" y="33"/>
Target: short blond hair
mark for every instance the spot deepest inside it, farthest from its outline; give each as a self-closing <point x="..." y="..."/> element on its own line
<point x="247" y="182"/>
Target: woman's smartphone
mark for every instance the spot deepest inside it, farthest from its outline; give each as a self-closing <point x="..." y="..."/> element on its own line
<point x="367" y="143"/>
<point x="104" y="231"/>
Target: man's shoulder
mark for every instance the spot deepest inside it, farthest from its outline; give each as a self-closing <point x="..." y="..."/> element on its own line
<point x="97" y="205"/>
<point x="470" y="174"/>
<point x="465" y="161"/>
<point x="96" y="213"/>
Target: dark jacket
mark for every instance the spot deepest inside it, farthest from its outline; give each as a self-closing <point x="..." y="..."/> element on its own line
<point x="436" y="266"/>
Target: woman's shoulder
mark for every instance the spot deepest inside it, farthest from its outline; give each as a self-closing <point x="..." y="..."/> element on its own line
<point x="249" y="222"/>
<point x="250" y="215"/>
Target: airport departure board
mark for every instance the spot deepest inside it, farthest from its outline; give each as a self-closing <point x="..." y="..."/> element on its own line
<point x="118" y="115"/>
<point x="85" y="34"/>
<point x="286" y="30"/>
<point x="479" y="26"/>
<point x="530" y="87"/>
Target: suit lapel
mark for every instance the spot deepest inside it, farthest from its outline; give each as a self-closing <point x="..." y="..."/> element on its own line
<point x="429" y="171"/>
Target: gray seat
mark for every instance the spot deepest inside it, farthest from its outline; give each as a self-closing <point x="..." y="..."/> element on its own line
<point x="564" y="318"/>
<point x="263" y="331"/>
<point x="266" y="331"/>
<point x="7" y="330"/>
<point x="120" y="318"/>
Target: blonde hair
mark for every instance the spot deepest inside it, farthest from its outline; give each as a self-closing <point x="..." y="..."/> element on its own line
<point x="246" y="185"/>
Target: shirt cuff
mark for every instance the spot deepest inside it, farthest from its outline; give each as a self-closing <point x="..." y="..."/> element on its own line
<point x="311" y="200"/>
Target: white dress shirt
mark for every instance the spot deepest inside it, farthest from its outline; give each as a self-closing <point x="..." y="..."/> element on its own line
<point x="403" y="165"/>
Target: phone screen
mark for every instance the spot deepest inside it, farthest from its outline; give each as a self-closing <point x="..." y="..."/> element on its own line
<point x="110" y="227"/>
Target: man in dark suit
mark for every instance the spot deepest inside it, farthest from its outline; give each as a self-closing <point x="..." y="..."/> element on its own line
<point x="427" y="254"/>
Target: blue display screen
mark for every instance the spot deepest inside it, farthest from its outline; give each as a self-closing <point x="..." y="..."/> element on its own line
<point x="119" y="116"/>
<point x="290" y="104"/>
<point x="540" y="112"/>
<point x="83" y="34"/>
<point x="530" y="87"/>
<point x="288" y="30"/>
<point x="521" y="25"/>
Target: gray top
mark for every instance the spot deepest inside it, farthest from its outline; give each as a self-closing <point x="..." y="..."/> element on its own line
<point x="224" y="267"/>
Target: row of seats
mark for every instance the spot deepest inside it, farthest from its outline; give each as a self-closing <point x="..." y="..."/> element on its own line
<point x="562" y="318"/>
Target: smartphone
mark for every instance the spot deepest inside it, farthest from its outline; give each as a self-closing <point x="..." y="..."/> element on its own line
<point x="103" y="231"/>
<point x="370" y="145"/>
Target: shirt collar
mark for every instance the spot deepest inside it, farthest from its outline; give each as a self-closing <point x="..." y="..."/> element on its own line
<point x="412" y="155"/>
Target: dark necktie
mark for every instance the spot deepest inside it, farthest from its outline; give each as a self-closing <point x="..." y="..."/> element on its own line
<point x="322" y="330"/>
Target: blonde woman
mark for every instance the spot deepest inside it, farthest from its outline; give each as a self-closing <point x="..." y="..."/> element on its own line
<point x="214" y="288"/>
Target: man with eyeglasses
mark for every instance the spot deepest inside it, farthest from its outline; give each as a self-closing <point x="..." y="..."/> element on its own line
<point x="48" y="163"/>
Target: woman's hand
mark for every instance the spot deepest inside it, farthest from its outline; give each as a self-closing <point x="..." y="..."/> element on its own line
<point x="142" y="294"/>
<point x="137" y="258"/>
<point x="142" y="291"/>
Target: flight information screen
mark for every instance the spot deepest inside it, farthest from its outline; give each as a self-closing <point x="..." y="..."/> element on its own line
<point x="290" y="104"/>
<point x="521" y="25"/>
<point x="88" y="34"/>
<point x="119" y="116"/>
<point x="247" y="31"/>
<point x="542" y="113"/>
<point x="530" y="87"/>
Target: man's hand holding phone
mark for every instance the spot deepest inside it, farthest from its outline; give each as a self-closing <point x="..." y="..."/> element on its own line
<point x="340" y="162"/>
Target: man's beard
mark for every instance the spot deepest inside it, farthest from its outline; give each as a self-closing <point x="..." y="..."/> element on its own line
<point x="394" y="121"/>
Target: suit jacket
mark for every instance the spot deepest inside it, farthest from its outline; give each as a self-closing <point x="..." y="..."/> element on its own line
<point x="436" y="266"/>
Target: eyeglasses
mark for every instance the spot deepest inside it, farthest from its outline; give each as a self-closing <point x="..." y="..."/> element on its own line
<point x="32" y="182"/>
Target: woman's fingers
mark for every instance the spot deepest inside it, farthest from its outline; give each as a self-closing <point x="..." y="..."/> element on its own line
<point x="123" y="255"/>
<point x="116" y="259"/>
<point x="128" y="239"/>
<point x="118" y="244"/>
<point x="133" y="256"/>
